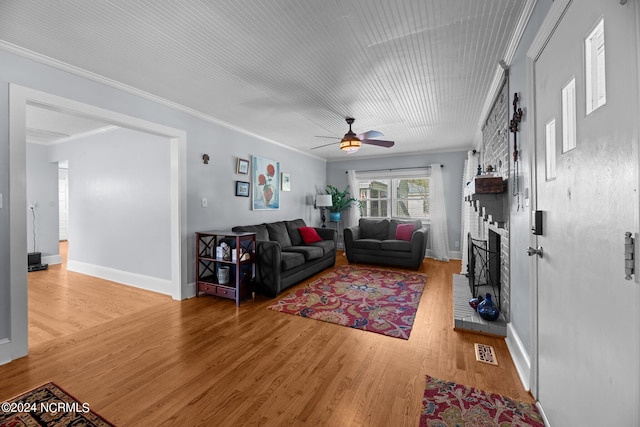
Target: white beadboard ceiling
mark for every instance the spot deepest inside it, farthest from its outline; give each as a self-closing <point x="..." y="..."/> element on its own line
<point x="289" y="70"/>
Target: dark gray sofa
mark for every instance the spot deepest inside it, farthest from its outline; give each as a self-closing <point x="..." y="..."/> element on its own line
<point x="373" y="242"/>
<point x="282" y="257"/>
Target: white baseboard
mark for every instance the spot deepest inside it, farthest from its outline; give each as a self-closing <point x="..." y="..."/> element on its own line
<point x="52" y="259"/>
<point x="5" y="351"/>
<point x="149" y="283"/>
<point x="542" y="414"/>
<point x="519" y="356"/>
<point x="191" y="289"/>
<point x="452" y="254"/>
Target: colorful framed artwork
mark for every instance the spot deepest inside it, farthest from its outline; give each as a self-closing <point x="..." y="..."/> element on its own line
<point x="266" y="191"/>
<point x="242" y="188"/>
<point x="285" y="182"/>
<point x="242" y="166"/>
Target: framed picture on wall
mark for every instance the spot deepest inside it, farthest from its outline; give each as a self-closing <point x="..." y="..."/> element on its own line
<point x="285" y="182"/>
<point x="242" y="188"/>
<point x="242" y="166"/>
<point x="265" y="188"/>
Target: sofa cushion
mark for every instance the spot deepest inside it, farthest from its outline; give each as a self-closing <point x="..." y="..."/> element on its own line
<point x="367" y="244"/>
<point x="404" y="231"/>
<point x="261" y="231"/>
<point x="291" y="260"/>
<point x="309" y="252"/>
<point x="292" y="229"/>
<point x="393" y="226"/>
<point x="374" y="229"/>
<point x="309" y="235"/>
<point x="326" y="245"/>
<point x="396" y="245"/>
<point x="278" y="233"/>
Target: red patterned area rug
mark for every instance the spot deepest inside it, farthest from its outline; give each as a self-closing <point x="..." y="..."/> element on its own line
<point x="367" y="298"/>
<point x="48" y="406"/>
<point x="447" y="404"/>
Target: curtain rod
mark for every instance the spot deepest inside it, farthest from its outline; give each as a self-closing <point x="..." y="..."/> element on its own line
<point x="391" y="170"/>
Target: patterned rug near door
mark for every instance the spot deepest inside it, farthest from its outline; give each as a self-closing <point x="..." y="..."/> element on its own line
<point x="368" y="298"/>
<point x="48" y="406"/>
<point x="447" y="404"/>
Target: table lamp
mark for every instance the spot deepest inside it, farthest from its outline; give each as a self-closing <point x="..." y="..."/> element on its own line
<point x="323" y="201"/>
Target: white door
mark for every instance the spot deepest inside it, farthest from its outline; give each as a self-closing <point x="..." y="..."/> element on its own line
<point x="588" y="341"/>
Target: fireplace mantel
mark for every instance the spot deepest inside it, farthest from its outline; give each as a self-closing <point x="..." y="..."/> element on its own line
<point x="487" y="195"/>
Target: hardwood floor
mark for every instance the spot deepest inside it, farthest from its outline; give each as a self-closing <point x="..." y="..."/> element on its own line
<point x="142" y="359"/>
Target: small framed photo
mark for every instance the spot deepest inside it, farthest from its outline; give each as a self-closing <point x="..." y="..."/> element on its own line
<point x="242" y="188"/>
<point x="285" y="181"/>
<point x="242" y="166"/>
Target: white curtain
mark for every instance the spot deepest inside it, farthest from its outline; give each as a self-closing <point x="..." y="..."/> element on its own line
<point x="439" y="234"/>
<point x="354" y="211"/>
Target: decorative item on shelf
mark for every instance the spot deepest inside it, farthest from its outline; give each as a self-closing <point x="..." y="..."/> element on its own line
<point x="323" y="201"/>
<point x="223" y="274"/>
<point x="487" y="309"/>
<point x="473" y="302"/>
<point x="340" y="200"/>
<point x="226" y="251"/>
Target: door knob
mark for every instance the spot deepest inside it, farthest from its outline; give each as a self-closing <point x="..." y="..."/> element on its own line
<point x="531" y="251"/>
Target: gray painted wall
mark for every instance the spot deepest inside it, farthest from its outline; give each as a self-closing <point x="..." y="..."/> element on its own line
<point x="42" y="188"/>
<point x="519" y="217"/>
<point x="451" y="174"/>
<point x="119" y="201"/>
<point x="214" y="181"/>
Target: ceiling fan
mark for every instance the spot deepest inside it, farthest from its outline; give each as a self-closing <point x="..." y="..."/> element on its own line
<point x="350" y="142"/>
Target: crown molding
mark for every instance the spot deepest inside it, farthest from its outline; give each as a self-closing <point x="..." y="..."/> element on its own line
<point x="63" y="66"/>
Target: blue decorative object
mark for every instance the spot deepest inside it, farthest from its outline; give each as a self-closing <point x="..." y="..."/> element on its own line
<point x="487" y="309"/>
<point x="334" y="216"/>
<point x="473" y="302"/>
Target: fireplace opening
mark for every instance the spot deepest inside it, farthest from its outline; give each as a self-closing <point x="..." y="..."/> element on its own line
<point x="483" y="268"/>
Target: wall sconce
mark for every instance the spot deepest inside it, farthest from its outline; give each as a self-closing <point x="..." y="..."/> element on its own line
<point x="205" y="159"/>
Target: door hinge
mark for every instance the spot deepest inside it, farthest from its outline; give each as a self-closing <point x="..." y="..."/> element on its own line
<point x="629" y="255"/>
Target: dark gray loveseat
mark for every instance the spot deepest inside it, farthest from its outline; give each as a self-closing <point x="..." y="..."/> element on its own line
<point x="282" y="257"/>
<point x="374" y="242"/>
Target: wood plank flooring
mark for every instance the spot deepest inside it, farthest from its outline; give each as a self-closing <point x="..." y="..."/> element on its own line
<point x="146" y="360"/>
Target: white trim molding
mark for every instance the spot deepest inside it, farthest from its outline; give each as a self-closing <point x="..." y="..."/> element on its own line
<point x="519" y="356"/>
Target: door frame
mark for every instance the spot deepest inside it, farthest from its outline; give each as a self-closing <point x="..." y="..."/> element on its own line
<point x="555" y="14"/>
<point x="19" y="96"/>
<point x="546" y="30"/>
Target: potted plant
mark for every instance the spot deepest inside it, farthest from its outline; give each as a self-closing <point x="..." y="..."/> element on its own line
<point x="341" y="200"/>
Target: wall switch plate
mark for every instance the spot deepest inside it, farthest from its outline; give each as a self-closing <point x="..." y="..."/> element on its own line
<point x="204" y="202"/>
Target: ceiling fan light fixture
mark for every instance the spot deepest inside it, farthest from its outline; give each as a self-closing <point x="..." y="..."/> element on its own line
<point x="350" y="144"/>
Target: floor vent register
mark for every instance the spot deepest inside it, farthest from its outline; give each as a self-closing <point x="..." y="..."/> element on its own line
<point x="485" y="354"/>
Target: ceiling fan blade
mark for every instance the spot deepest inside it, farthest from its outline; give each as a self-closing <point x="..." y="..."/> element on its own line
<point x="370" y="134"/>
<point x="378" y="142"/>
<point x="326" y="145"/>
<point x="328" y="137"/>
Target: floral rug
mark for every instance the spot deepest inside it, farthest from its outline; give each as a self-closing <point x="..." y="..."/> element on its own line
<point x="367" y="298"/>
<point x="48" y="406"/>
<point x="447" y="404"/>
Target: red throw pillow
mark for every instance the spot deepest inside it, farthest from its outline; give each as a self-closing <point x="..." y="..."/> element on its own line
<point x="404" y="231"/>
<point x="309" y="235"/>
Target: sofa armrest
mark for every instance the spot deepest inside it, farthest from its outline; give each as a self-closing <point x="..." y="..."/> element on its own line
<point x="268" y="266"/>
<point x="327" y="233"/>
<point x="351" y="234"/>
<point x="419" y="242"/>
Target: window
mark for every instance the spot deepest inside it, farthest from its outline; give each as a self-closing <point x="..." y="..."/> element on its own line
<point x="595" y="68"/>
<point x="550" y="145"/>
<point x="569" y="116"/>
<point x="394" y="194"/>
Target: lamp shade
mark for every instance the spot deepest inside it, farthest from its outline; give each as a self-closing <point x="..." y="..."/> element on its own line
<point x="324" y="200"/>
